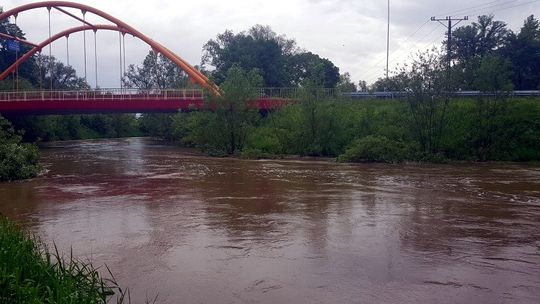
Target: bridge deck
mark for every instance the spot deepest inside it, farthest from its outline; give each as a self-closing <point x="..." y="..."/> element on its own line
<point x="115" y="101"/>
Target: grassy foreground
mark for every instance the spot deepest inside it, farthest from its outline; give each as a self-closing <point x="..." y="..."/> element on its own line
<point x="30" y="273"/>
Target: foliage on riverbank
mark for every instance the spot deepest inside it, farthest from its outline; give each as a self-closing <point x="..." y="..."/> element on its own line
<point x="375" y="130"/>
<point x="72" y="127"/>
<point x="17" y="160"/>
<point x="30" y="273"/>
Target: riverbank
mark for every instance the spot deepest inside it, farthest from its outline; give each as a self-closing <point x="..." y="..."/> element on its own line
<point x="255" y="155"/>
<point x="31" y="273"/>
<point x="348" y="130"/>
<point x="17" y="160"/>
<point x="250" y="155"/>
<point x="366" y="131"/>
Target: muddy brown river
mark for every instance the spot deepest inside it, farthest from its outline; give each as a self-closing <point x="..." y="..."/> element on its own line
<point x="194" y="229"/>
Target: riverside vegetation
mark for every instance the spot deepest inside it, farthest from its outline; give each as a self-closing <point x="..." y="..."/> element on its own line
<point x="371" y="130"/>
<point x="17" y="160"/>
<point x="30" y="273"/>
<point x="428" y="124"/>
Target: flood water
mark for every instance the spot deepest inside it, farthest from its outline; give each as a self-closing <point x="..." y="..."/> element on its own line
<point x="194" y="229"/>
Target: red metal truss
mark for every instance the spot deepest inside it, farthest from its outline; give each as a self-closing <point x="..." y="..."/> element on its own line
<point x="121" y="26"/>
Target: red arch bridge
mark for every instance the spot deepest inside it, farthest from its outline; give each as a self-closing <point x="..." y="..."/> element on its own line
<point x="51" y="101"/>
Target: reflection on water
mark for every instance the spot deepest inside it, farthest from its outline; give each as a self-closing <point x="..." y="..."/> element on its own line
<point x="193" y="229"/>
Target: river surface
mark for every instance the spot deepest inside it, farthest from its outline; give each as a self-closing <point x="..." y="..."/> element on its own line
<point x="194" y="229"/>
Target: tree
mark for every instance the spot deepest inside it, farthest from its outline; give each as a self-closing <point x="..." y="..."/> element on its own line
<point x="111" y="125"/>
<point x="277" y="58"/>
<point x="308" y="66"/>
<point x="362" y="86"/>
<point x="156" y="72"/>
<point x="259" y="48"/>
<point x="53" y="127"/>
<point x="159" y="125"/>
<point x="67" y="127"/>
<point x="224" y="129"/>
<point x="17" y="161"/>
<point x="64" y="77"/>
<point x="427" y="86"/>
<point x="478" y="39"/>
<point x="8" y="57"/>
<point x="493" y="78"/>
<point x="345" y="83"/>
<point x="390" y="84"/>
<point x="472" y="42"/>
<point x="523" y="50"/>
<point x="233" y="111"/>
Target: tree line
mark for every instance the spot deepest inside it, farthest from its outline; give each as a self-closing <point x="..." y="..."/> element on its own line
<point x="427" y="125"/>
<point x="488" y="39"/>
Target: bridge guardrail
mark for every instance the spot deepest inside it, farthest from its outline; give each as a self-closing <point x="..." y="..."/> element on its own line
<point x="103" y="94"/>
<point x="399" y="94"/>
<point x="197" y="94"/>
<point x="295" y="93"/>
<point x="112" y="94"/>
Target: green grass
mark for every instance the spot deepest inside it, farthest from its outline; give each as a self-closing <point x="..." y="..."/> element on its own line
<point x="30" y="273"/>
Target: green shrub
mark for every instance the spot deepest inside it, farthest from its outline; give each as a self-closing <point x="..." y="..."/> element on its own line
<point x="17" y="161"/>
<point x="375" y="149"/>
<point x="265" y="140"/>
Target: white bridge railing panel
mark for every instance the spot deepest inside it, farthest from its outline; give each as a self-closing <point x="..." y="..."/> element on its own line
<point x="101" y="95"/>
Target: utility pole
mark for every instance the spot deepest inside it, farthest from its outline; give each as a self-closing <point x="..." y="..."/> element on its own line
<point x="449" y="26"/>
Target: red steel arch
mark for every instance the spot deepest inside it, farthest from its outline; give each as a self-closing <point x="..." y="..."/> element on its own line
<point x="53" y="38"/>
<point x="121" y="26"/>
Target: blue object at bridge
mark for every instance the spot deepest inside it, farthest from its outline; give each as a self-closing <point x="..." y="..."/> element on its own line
<point x="14" y="45"/>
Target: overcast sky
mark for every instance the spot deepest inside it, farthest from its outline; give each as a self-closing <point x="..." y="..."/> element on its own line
<point x="351" y="33"/>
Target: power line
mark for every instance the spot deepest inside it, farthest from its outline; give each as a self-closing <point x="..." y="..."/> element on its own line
<point x="449" y="26"/>
<point x="476" y="7"/>
<point x="513" y="6"/>
<point x="403" y="51"/>
<point x="398" y="49"/>
<point x="496" y="7"/>
<point x="487" y="7"/>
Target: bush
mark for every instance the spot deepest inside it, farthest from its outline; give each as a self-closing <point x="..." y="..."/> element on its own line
<point x="375" y="149"/>
<point x="265" y="140"/>
<point x="17" y="161"/>
<point x="335" y="124"/>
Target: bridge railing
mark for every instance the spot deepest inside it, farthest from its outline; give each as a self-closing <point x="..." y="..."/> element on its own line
<point x="158" y="94"/>
<point x="102" y="94"/>
<point x="295" y="93"/>
<point x="197" y="94"/>
<point x="400" y="94"/>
